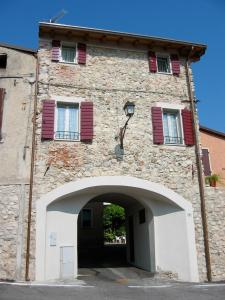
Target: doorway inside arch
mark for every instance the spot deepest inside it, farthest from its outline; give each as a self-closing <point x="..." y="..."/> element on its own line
<point x="113" y="231"/>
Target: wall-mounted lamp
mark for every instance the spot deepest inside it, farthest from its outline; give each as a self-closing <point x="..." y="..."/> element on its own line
<point x="129" y="112"/>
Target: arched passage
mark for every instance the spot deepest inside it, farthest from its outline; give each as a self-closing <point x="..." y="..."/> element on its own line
<point x="172" y="226"/>
<point x="139" y="227"/>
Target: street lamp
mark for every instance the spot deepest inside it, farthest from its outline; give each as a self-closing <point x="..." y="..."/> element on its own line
<point x="129" y="112"/>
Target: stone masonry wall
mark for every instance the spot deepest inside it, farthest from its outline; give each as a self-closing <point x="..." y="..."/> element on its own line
<point x="109" y="79"/>
<point x="215" y="204"/>
<point x="13" y="208"/>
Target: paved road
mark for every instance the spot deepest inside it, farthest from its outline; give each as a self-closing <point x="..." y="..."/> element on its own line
<point x="114" y="283"/>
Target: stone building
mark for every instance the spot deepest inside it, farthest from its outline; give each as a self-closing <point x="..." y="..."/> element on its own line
<point x="17" y="81"/>
<point x="86" y="77"/>
<point x="82" y="158"/>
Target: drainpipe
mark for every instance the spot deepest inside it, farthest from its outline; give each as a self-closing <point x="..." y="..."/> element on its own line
<point x="200" y="171"/>
<point x="31" y="178"/>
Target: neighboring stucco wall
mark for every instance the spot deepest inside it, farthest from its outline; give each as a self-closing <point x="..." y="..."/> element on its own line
<point x="109" y="79"/>
<point x="215" y="204"/>
<point x="15" y="152"/>
<point x="17" y="116"/>
<point x="216" y="146"/>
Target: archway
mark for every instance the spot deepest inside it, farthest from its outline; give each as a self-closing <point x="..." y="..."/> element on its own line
<point x="93" y="251"/>
<point x="171" y="230"/>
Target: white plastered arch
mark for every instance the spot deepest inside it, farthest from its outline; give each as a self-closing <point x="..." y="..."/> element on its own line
<point x="87" y="188"/>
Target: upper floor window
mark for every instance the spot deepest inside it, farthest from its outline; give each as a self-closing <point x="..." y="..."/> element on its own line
<point x="67" y="127"/>
<point x="68" y="54"/>
<point x="163" y="64"/>
<point x="3" y="60"/>
<point x="172" y="127"/>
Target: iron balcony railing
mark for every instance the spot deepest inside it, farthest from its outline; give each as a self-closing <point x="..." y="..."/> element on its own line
<point x="173" y="140"/>
<point x="67" y="135"/>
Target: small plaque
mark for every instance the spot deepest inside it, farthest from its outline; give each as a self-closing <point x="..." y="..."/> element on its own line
<point x="52" y="239"/>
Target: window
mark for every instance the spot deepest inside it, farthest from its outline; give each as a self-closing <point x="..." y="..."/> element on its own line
<point x="163" y="64"/>
<point x="67" y="116"/>
<point x="172" y="127"/>
<point x="3" y="60"/>
<point x="86" y="218"/>
<point x="68" y="54"/>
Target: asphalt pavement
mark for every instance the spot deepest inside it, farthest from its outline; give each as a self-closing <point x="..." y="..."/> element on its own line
<point x="113" y="283"/>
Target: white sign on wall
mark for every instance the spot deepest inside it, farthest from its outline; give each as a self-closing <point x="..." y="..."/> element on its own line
<point x="52" y="239"/>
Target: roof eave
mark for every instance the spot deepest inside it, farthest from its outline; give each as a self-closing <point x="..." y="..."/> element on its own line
<point x="197" y="49"/>
<point x="18" y="48"/>
<point x="212" y="131"/>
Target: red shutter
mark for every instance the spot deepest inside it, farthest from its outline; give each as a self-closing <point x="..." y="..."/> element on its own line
<point x="86" y="126"/>
<point x="152" y="62"/>
<point x="48" y="114"/>
<point x="188" y="127"/>
<point x="2" y="95"/>
<point x="82" y="53"/>
<point x="175" y="62"/>
<point x="157" y="125"/>
<point x="55" y="50"/>
<point x="205" y="162"/>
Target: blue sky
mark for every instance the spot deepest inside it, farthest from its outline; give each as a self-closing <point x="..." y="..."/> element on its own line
<point x="193" y="20"/>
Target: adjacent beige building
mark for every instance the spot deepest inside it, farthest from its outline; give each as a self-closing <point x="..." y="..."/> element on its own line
<point x="17" y="81"/>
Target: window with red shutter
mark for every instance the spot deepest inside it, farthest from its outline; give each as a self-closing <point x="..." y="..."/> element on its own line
<point x="67" y="121"/>
<point x="172" y="127"/>
<point x="48" y="116"/>
<point x="69" y="52"/>
<point x="2" y="95"/>
<point x="86" y="122"/>
<point x="167" y="127"/>
<point x="163" y="63"/>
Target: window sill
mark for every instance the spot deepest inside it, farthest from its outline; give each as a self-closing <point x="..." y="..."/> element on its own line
<point x="68" y="63"/>
<point x="164" y="73"/>
<point x="172" y="146"/>
<point x="65" y="140"/>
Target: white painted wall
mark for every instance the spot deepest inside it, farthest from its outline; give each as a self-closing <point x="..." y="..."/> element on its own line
<point x="142" y="238"/>
<point x="172" y="241"/>
<point x="61" y="220"/>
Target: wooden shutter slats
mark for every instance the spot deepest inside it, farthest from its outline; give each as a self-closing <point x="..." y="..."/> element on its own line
<point x="188" y="127"/>
<point x="48" y="117"/>
<point x="157" y="125"/>
<point x="56" y="50"/>
<point x="175" y="63"/>
<point x="86" y="123"/>
<point x="152" y="62"/>
<point x="82" y="53"/>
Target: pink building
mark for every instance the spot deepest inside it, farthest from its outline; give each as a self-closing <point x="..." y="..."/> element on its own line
<point x="213" y="153"/>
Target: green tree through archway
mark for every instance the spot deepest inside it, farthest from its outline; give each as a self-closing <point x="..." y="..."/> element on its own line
<point x="113" y="222"/>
